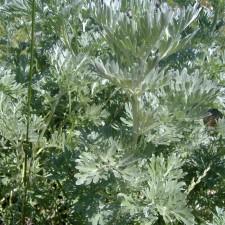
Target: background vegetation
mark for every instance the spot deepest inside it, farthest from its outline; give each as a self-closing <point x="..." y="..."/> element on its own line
<point x="101" y="107"/>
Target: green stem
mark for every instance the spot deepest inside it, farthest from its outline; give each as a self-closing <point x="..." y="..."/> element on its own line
<point x="214" y="19"/>
<point x="135" y="110"/>
<point x="27" y="147"/>
<point x="70" y="102"/>
<point x="50" y="116"/>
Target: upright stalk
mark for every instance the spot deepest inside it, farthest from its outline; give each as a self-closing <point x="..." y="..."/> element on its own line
<point x="135" y="112"/>
<point x="27" y="146"/>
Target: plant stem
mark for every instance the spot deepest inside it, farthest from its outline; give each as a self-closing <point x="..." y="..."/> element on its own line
<point x="135" y="110"/>
<point x="27" y="147"/>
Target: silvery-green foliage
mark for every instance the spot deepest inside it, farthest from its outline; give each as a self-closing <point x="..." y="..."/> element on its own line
<point x="185" y="93"/>
<point x="160" y="190"/>
<point x="155" y="122"/>
<point x="8" y="84"/>
<point x="218" y="217"/>
<point x="13" y="121"/>
<point x="166" y="189"/>
<point x="71" y="75"/>
<point x="100" y="162"/>
<point x="155" y="30"/>
<point x="132" y="80"/>
<point x="12" y="116"/>
<point x="67" y="67"/>
<point x="221" y="127"/>
<point x="150" y="188"/>
<point x="141" y="34"/>
<point x="164" y="108"/>
<point x="19" y="7"/>
<point x="97" y="174"/>
<point x="151" y="33"/>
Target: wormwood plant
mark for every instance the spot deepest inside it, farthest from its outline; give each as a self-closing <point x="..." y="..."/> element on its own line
<point x="115" y="133"/>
